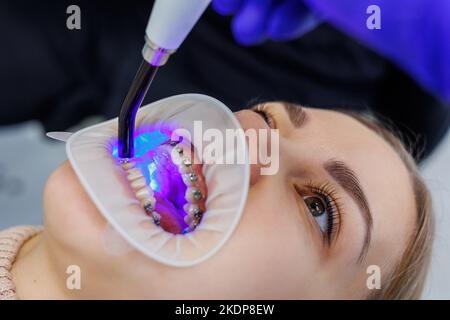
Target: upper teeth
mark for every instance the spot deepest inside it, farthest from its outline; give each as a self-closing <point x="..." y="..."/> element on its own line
<point x="190" y="179"/>
<point x="137" y="181"/>
<point x="134" y="173"/>
<point x="144" y="193"/>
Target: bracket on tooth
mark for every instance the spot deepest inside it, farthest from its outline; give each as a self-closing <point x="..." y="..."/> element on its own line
<point x="197" y="194"/>
<point x="198" y="213"/>
<point x="148" y="207"/>
<point x="190" y="179"/>
<point x="194" y="213"/>
<point x="156" y="218"/>
<point x="193" y="194"/>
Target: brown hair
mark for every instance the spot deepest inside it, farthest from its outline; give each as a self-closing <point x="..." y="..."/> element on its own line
<point x="407" y="279"/>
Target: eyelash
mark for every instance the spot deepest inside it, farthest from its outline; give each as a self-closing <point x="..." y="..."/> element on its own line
<point x="266" y="115"/>
<point x="333" y="206"/>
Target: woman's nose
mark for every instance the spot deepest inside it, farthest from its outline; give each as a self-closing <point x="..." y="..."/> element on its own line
<point x="250" y="120"/>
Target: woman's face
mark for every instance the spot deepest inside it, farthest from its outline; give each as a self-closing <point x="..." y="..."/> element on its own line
<point x="340" y="202"/>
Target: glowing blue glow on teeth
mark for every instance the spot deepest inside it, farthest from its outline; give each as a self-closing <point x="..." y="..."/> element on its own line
<point x="161" y="175"/>
<point x="144" y="143"/>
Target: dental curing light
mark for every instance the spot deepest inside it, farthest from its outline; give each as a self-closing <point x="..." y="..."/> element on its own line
<point x="169" y="24"/>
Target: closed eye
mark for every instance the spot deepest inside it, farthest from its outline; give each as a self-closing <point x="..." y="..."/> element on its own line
<point x="267" y="117"/>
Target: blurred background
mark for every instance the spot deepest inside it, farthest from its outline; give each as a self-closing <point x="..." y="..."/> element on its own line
<point x="52" y="78"/>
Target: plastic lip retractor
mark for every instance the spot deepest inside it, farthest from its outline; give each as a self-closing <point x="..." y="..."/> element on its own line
<point x="90" y="153"/>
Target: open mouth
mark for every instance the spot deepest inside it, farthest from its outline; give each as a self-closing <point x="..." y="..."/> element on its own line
<point x="174" y="210"/>
<point x="166" y="177"/>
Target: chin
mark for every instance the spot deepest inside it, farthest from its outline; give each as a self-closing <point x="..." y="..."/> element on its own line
<point x="70" y="215"/>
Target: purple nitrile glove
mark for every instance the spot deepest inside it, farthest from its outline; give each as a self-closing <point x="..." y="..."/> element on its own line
<point x="414" y="34"/>
<point x="255" y="21"/>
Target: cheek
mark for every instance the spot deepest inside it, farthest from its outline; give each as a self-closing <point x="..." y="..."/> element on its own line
<point x="271" y="246"/>
<point x="70" y="216"/>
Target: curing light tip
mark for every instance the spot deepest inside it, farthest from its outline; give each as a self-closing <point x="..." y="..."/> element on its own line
<point x="131" y="104"/>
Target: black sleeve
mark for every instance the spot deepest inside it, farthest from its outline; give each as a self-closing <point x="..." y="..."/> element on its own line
<point x="60" y="76"/>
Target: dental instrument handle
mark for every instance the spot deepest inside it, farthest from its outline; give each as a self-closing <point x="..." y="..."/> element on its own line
<point x="131" y="104"/>
<point x="169" y="24"/>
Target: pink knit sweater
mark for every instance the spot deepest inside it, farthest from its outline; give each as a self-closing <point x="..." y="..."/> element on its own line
<point x="11" y="240"/>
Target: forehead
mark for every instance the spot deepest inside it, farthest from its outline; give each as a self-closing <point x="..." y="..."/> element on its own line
<point x="382" y="174"/>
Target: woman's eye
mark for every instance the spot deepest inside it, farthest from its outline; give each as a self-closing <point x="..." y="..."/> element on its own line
<point x="322" y="203"/>
<point x="318" y="210"/>
<point x="266" y="116"/>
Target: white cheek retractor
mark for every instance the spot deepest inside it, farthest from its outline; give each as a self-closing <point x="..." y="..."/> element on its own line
<point x="91" y="152"/>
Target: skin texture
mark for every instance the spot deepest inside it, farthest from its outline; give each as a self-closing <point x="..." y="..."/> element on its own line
<point x="277" y="250"/>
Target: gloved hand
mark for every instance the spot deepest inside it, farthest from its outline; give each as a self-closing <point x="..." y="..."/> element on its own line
<point x="414" y="34"/>
<point x="255" y="21"/>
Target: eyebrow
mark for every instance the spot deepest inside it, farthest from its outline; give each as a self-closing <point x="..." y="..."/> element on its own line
<point x="348" y="180"/>
<point x="296" y="113"/>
